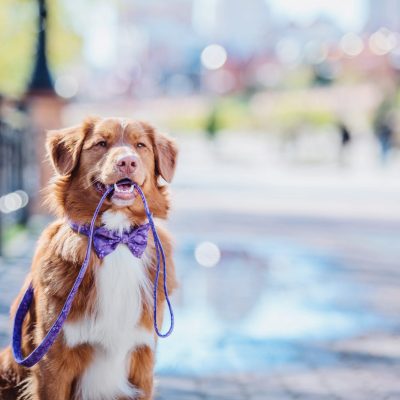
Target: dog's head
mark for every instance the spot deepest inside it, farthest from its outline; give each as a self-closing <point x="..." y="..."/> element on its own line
<point x="100" y="152"/>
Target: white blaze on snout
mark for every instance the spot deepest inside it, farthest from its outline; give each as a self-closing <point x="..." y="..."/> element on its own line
<point x="125" y="151"/>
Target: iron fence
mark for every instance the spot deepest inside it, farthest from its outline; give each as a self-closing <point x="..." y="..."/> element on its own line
<point x="16" y="156"/>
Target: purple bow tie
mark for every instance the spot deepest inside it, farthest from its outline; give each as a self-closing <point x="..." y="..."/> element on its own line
<point x="106" y="241"/>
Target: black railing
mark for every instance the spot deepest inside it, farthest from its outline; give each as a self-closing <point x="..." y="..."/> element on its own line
<point x="16" y="160"/>
<point x="11" y="158"/>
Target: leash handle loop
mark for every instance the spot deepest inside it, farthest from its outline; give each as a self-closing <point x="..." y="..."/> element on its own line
<point x="24" y="306"/>
<point x="27" y="299"/>
<point x="160" y="255"/>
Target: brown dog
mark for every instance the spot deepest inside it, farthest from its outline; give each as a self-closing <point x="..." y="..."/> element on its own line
<point x="106" y="347"/>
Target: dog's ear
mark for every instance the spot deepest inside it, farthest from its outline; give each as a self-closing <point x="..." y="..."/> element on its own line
<point x="165" y="153"/>
<point x="166" y="156"/>
<point x="64" y="146"/>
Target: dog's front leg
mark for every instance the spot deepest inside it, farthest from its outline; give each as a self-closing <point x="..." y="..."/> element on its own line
<point x="141" y="371"/>
<point x="55" y="377"/>
<point x="50" y="386"/>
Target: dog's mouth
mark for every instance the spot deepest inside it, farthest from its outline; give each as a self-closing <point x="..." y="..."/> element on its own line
<point x="124" y="192"/>
<point x="124" y="189"/>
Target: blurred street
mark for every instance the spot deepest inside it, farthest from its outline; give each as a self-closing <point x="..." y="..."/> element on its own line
<point x="301" y="300"/>
<point x="285" y="202"/>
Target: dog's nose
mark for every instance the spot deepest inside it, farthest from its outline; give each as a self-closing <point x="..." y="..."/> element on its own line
<point x="126" y="165"/>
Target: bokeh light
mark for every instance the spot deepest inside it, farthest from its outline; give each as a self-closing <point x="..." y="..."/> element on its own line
<point x="13" y="201"/>
<point x="351" y="44"/>
<point x="207" y="254"/>
<point x="213" y="56"/>
<point x="66" y="86"/>
<point x="383" y="41"/>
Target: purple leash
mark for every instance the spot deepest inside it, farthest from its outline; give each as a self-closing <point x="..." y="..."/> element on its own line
<point x="159" y="252"/>
<point x="52" y="334"/>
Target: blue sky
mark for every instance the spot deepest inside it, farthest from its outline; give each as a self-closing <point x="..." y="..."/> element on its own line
<point x="349" y="14"/>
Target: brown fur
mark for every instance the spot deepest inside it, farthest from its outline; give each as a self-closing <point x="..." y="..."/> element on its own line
<point x="78" y="160"/>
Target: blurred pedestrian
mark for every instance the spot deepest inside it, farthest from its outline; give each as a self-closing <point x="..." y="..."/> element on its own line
<point x="385" y="135"/>
<point x="345" y="136"/>
<point x="345" y="141"/>
<point x="385" y="125"/>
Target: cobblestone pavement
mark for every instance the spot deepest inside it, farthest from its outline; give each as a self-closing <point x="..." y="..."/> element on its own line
<point x="341" y="266"/>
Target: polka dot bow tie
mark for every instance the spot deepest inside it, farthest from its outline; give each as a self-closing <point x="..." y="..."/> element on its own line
<point x="105" y="241"/>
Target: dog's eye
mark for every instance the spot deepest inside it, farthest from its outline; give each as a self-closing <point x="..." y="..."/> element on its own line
<point x="102" y="143"/>
<point x="140" y="145"/>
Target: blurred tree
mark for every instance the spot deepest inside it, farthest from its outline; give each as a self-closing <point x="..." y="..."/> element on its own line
<point x="18" y="33"/>
<point x="64" y="43"/>
<point x="212" y="125"/>
<point x="17" y="44"/>
<point x="228" y="113"/>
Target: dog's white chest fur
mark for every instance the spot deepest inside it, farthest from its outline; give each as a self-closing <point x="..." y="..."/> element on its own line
<point x="122" y="286"/>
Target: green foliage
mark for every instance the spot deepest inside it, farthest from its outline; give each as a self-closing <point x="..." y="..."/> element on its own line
<point x="292" y="117"/>
<point x="17" y="39"/>
<point x="18" y="35"/>
<point x="233" y="113"/>
<point x="13" y="231"/>
<point x="187" y="123"/>
<point x="225" y="113"/>
<point x="64" y="45"/>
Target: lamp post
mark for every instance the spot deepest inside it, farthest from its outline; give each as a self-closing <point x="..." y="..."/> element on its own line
<point x="41" y="79"/>
<point x="44" y="105"/>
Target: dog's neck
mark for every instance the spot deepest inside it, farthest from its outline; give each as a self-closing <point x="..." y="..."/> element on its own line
<point x="118" y="219"/>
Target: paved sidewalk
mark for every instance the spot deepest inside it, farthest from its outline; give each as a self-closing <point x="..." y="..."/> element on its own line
<point x="355" y="366"/>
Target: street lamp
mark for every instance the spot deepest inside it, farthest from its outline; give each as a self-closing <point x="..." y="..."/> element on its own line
<point x="41" y="79"/>
<point x="44" y="106"/>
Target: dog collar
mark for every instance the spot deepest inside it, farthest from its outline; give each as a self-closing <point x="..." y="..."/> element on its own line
<point x="105" y="241"/>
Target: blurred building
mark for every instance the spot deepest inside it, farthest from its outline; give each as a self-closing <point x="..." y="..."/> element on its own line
<point x="244" y="30"/>
<point x="383" y="13"/>
<point x="155" y="44"/>
<point x="148" y="48"/>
